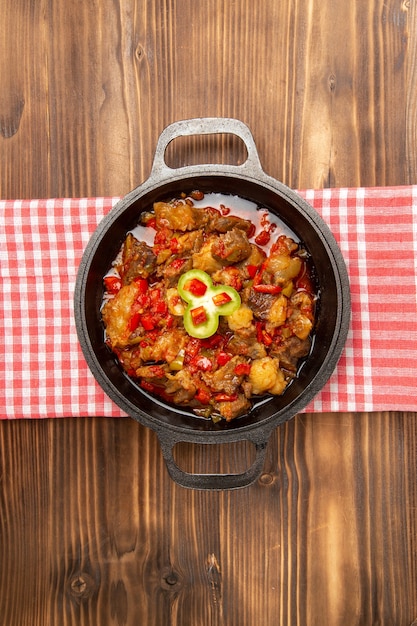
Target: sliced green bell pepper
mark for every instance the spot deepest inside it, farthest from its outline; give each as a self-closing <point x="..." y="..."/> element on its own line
<point x="205" y="303"/>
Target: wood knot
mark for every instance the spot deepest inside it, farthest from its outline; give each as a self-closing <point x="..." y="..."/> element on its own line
<point x="82" y="585"/>
<point x="139" y="52"/>
<point x="332" y="82"/>
<point x="266" y="479"/>
<point x="170" y="579"/>
<point x="10" y="119"/>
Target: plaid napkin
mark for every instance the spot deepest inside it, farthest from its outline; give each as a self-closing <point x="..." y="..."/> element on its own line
<point x="43" y="372"/>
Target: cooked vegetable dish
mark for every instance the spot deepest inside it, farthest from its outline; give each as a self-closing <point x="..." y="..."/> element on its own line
<point x="211" y="311"/>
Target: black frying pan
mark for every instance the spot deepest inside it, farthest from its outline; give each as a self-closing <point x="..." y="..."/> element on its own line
<point x="173" y="424"/>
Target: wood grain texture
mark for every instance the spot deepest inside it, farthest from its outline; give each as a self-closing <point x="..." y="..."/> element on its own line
<point x="92" y="530"/>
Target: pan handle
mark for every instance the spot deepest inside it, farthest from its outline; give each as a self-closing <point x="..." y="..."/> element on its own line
<point x="213" y="482"/>
<point x="205" y="126"/>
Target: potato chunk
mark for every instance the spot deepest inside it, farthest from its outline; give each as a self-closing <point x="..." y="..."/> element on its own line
<point x="265" y="375"/>
<point x="277" y="314"/>
<point x="242" y="318"/>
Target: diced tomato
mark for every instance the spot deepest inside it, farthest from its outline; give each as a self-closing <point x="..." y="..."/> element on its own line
<point x="203" y="363"/>
<point x="214" y="341"/>
<point x="173" y="245"/>
<point x="242" y="369"/>
<point x="151" y="223"/>
<point x="157" y="371"/>
<point x="203" y="396"/>
<point x="177" y="264"/>
<point x="143" y="300"/>
<point x="252" y="269"/>
<point x="169" y="320"/>
<point x="134" y="322"/>
<point x="142" y="284"/>
<point x="160" y="240"/>
<point x="161" y="307"/>
<point x="112" y="284"/>
<point x="147" y="322"/>
<point x="223" y="358"/>
<point x="155" y="295"/>
<point x="193" y="348"/>
<point x="221" y="298"/>
<point x="198" y="315"/>
<point x="196" y="287"/>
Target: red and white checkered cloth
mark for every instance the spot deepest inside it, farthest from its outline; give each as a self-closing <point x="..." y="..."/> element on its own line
<point x="43" y="372"/>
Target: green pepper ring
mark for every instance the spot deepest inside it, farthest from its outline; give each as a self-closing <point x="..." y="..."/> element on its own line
<point x="208" y="327"/>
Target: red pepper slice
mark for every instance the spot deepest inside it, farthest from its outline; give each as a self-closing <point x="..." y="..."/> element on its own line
<point x="198" y="315"/>
<point x="196" y="287"/>
<point x="221" y="298"/>
<point x="148" y="386"/>
<point x="273" y="289"/>
<point x="225" y="397"/>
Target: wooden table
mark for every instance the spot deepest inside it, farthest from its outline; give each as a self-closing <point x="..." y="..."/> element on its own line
<point x="92" y="529"/>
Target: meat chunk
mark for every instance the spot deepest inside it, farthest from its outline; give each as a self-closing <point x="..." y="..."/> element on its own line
<point x="291" y="351"/>
<point x="232" y="247"/>
<point x="225" y="378"/>
<point x="181" y="386"/>
<point x="224" y="223"/>
<point x="260" y="303"/>
<point x="138" y="260"/>
<point x="179" y="216"/>
<point x="233" y="408"/>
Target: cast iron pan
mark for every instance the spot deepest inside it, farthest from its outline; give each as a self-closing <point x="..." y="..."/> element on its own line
<point x="173" y="424"/>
